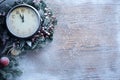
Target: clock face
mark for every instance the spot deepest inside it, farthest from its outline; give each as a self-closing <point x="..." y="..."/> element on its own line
<point x="23" y="21"/>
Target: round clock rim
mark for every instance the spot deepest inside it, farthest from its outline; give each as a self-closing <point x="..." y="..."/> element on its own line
<point x="23" y="5"/>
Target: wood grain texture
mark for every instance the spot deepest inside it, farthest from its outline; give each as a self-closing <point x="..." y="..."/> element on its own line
<point x="86" y="43"/>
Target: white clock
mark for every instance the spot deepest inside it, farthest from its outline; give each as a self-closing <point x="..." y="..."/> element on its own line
<point x="23" y="21"/>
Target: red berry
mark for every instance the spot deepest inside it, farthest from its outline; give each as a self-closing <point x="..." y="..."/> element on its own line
<point x="4" y="61"/>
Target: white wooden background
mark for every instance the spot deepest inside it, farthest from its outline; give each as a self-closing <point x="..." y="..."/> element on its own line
<point x="86" y="43"/>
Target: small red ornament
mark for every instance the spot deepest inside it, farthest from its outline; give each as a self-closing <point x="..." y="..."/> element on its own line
<point x="4" y="61"/>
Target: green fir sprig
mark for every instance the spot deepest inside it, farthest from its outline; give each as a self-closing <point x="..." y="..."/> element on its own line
<point x="11" y="47"/>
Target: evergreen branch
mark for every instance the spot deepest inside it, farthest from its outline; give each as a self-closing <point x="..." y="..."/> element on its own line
<point x="2" y="1"/>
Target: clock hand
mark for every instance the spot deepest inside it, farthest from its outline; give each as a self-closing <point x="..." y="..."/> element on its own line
<point x="22" y="17"/>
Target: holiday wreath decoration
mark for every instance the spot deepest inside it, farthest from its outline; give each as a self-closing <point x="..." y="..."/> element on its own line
<point x="25" y="25"/>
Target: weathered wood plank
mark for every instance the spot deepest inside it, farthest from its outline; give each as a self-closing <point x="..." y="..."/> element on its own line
<point x="86" y="43"/>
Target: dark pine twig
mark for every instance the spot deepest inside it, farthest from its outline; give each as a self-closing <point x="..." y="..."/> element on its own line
<point x="1" y="1"/>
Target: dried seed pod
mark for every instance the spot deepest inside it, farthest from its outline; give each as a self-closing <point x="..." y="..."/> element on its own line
<point x="15" y="52"/>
